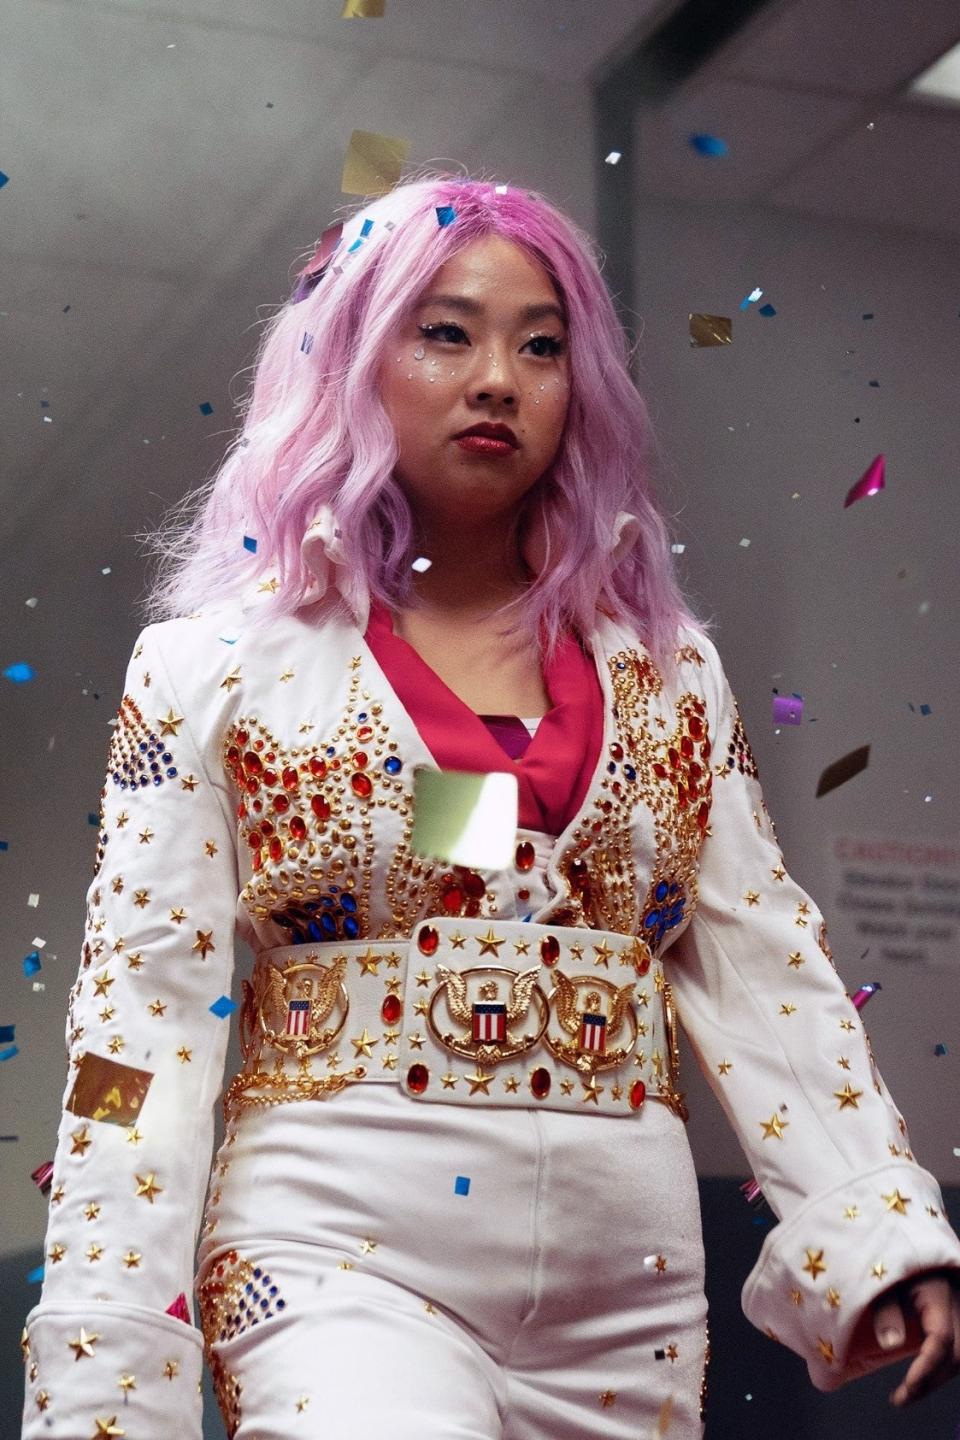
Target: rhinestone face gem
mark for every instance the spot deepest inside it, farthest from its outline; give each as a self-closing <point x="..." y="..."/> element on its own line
<point x="418" y="1077"/>
<point x="638" y="1093"/>
<point x="427" y="940"/>
<point x="550" y="950"/>
<point x="525" y="856"/>
<point x="540" y="1081"/>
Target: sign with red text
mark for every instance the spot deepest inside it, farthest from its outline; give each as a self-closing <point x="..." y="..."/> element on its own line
<point x="899" y="898"/>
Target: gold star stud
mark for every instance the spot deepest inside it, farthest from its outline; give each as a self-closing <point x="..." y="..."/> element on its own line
<point x="672" y="1353"/>
<point x="43" y="1400"/>
<point x="603" y="954"/>
<point x="833" y="1298"/>
<point x="788" y="1009"/>
<point x="479" y="1080"/>
<point x="367" y="1247"/>
<point x="724" y="1067"/>
<point x="132" y="1259"/>
<point x="592" y="1091"/>
<point x="302" y="1404"/>
<point x="814" y="1265"/>
<point x="826" y="1349"/>
<point x="511" y="1084"/>
<point x="178" y="914"/>
<point x="107" y="1427"/>
<point x="852" y="1212"/>
<point x="489" y="942"/>
<point x="127" y="1382"/>
<point x="661" y="1264"/>
<point x="369" y="962"/>
<point x="848" y="1097"/>
<point x="607" y="1398"/>
<point x="879" y="1270"/>
<point x="230" y="680"/>
<point x="171" y="1369"/>
<point x="57" y="1252"/>
<point x="83" y="1345"/>
<point x="363" y="1044"/>
<point x="148" y="1187"/>
<point x="773" y="1126"/>
<point x="170" y="723"/>
<point x="157" y="1007"/>
<point x="449" y="1080"/>
<point x="184" y="1055"/>
<point x="796" y="1296"/>
<point x="897" y="1202"/>
<point x="752" y="898"/>
<point x="93" y="1251"/>
<point x="204" y="943"/>
<point x="81" y="1140"/>
<point x="795" y="960"/>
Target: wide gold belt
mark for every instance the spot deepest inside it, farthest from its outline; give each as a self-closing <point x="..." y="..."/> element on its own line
<point x="467" y="1012"/>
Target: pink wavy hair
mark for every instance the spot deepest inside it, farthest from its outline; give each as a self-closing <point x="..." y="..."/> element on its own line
<point x="315" y="432"/>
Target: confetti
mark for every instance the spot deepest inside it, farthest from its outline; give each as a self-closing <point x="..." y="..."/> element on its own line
<point x="223" y="1007"/>
<point x="4" y="844"/>
<point x="677" y="549"/>
<point x="940" y="1049"/>
<point x="33" y="602"/>
<point x="249" y="543"/>
<point x="373" y="163"/>
<point x="843" y="770"/>
<point x="35" y="1276"/>
<point x="7" y="1033"/>
<point x="461" y="1185"/>
<point x="465" y="819"/>
<point x="362" y="9"/>
<point x="42" y="1177"/>
<point x="19" y="673"/>
<point x="750" y="299"/>
<point x="206" y="408"/>
<point x="31" y="963"/>
<point x="445" y="215"/>
<point x="863" y="994"/>
<point x="33" y="900"/>
<point x="708" y="144"/>
<point x="3" y="179"/>
<point x="614" y="157"/>
<point x="710" y="329"/>
<point x="107" y="1091"/>
<point x="180" y="1309"/>
<point x="767" y="311"/>
<point x="787" y="709"/>
<point x="664" y="1418"/>
<point x="8" y="1052"/>
<point x="421" y="564"/>
<point x="869" y="483"/>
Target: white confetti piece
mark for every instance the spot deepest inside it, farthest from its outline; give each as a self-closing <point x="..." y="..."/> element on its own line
<point x="34" y="900"/>
<point x="37" y="943"/>
<point x="421" y="564"/>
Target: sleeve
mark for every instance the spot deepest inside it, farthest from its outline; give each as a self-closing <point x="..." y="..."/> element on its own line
<point x="784" y="1050"/>
<point x="112" y="1334"/>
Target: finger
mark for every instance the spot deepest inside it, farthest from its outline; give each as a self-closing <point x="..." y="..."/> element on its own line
<point x="889" y="1323"/>
<point x="933" y="1363"/>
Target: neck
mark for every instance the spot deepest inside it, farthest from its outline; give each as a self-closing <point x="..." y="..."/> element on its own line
<point x="473" y="570"/>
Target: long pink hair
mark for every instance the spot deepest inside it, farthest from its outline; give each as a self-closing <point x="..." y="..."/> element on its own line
<point x="315" y="433"/>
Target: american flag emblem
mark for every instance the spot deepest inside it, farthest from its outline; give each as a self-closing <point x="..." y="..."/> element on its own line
<point x="298" y="1017"/>
<point x="593" y="1033"/>
<point x="489" y="1022"/>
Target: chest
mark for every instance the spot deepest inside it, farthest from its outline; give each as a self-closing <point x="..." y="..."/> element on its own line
<point x="489" y="674"/>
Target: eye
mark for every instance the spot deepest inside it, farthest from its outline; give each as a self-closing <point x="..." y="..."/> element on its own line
<point x="555" y="346"/>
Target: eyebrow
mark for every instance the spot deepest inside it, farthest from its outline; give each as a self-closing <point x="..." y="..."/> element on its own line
<point x="474" y="307"/>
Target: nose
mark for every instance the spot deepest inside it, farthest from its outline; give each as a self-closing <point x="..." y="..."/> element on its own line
<point x="493" y="377"/>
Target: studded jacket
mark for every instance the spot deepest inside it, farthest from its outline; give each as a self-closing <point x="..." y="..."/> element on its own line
<point x="673" y="843"/>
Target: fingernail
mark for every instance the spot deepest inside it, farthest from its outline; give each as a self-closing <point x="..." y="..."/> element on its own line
<point x="890" y="1338"/>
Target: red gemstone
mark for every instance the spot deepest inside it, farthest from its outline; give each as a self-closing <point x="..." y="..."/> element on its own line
<point x="474" y="884"/>
<point x="452" y="901"/>
<point x="696" y="727"/>
<point x="254" y="840"/>
<point x="281" y="803"/>
<point x="290" y="778"/>
<point x="540" y="1083"/>
<point x="253" y="763"/>
<point x="298" y="827"/>
<point x="267" y="827"/>
<point x="233" y="754"/>
<point x="256" y="859"/>
<point x="270" y="778"/>
<point x="616" y="751"/>
<point x="525" y="856"/>
<point x="365" y="733"/>
<point x="257" y="806"/>
<point x="391" y="1009"/>
<point x="361" y="785"/>
<point x="418" y="1077"/>
<point x="275" y="847"/>
<point x="427" y="940"/>
<point x="642" y="966"/>
<point x="523" y="894"/>
<point x="686" y="745"/>
<point x="550" y="950"/>
<point x="638" y="1093"/>
<point x="320" y="807"/>
<point x="242" y="737"/>
<point x="579" y="876"/>
<point x="318" y="767"/>
<point x="252" y="786"/>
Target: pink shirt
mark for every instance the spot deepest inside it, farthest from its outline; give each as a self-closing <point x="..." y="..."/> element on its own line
<point x="556" y="768"/>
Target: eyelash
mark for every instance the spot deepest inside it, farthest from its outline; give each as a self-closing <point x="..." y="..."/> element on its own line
<point x="558" y="345"/>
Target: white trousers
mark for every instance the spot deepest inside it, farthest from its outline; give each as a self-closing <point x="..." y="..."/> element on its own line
<point x="377" y="1266"/>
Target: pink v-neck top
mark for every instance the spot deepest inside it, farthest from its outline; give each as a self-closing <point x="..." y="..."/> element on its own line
<point x="555" y="767"/>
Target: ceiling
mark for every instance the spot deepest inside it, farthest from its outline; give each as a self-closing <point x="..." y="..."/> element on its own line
<point x="154" y="149"/>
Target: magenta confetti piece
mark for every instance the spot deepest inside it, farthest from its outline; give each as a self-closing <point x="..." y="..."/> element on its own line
<point x="863" y="994"/>
<point x="869" y="483"/>
<point x="42" y="1177"/>
<point x="179" y="1309"/>
<point x="787" y="709"/>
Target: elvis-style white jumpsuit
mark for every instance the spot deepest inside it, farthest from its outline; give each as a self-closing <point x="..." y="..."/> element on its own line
<point x="455" y="1196"/>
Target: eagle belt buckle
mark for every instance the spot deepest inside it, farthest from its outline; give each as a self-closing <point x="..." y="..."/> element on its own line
<point x="289" y="1009"/>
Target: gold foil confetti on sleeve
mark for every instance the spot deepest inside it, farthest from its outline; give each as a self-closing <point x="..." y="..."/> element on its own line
<point x="105" y="1090"/>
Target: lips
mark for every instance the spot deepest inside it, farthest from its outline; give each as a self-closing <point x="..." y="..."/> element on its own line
<point x="493" y="432"/>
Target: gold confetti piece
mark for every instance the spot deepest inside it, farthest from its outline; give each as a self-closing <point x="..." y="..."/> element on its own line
<point x="465" y="819"/>
<point x="710" y="329"/>
<point x="362" y="9"/>
<point x="664" y="1418"/>
<point x="843" y="770"/>
<point x="108" y="1091"/>
<point x="373" y="163"/>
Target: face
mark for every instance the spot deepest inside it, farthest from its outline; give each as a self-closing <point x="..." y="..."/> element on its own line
<point x="494" y="350"/>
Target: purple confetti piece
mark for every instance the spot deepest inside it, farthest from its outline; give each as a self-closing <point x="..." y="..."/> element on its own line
<point x="787" y="709"/>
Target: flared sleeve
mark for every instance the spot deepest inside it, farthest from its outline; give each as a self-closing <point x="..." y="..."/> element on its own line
<point x="111" y="1348"/>
<point x="785" y="1051"/>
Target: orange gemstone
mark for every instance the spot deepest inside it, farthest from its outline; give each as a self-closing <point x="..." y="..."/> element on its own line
<point x="427" y="940"/>
<point x="391" y="1009"/>
<point x="540" y="1083"/>
<point x="365" y="733"/>
<point x="418" y="1077"/>
<point x="525" y="856"/>
<point x="638" y="1093"/>
<point x="360" y="759"/>
<point x="550" y="950"/>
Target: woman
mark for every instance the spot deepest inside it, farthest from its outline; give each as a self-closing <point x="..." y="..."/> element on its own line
<point x="455" y="1195"/>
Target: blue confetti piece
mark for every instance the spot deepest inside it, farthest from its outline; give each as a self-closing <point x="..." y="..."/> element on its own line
<point x="446" y="215"/>
<point x="4" y="844"/>
<point x="868" y="316"/>
<point x="767" y="311"/>
<point x="940" y="1049"/>
<point x="3" y="179"/>
<point x="92" y="819"/>
<point x="874" y="384"/>
<point x="249" y="543"/>
<point x="9" y="1052"/>
<point x="6" y="1033"/>
<point x="462" y="1185"/>
<point x="925" y="710"/>
<point x="528" y="917"/>
<point x="228" y="642"/>
<point x="306" y="344"/>
<point x="223" y="1007"/>
<point x="708" y="144"/>
<point x="365" y="229"/>
<point x="19" y="672"/>
<point x="31" y="963"/>
<point x="206" y="408"/>
<point x="35" y="1276"/>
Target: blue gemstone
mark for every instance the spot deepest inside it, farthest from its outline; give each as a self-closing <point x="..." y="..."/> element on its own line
<point x="392" y="765"/>
<point x="629" y="771"/>
<point x="348" y="901"/>
<point x="611" y="768"/>
<point x="362" y="715"/>
<point x="331" y="749"/>
<point x="662" y="889"/>
<point x="143" y="745"/>
<point x="351" y="927"/>
<point x="328" y="925"/>
<point x="157" y="780"/>
<point x="315" y="931"/>
<point x="281" y="1304"/>
<point x="172" y="772"/>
